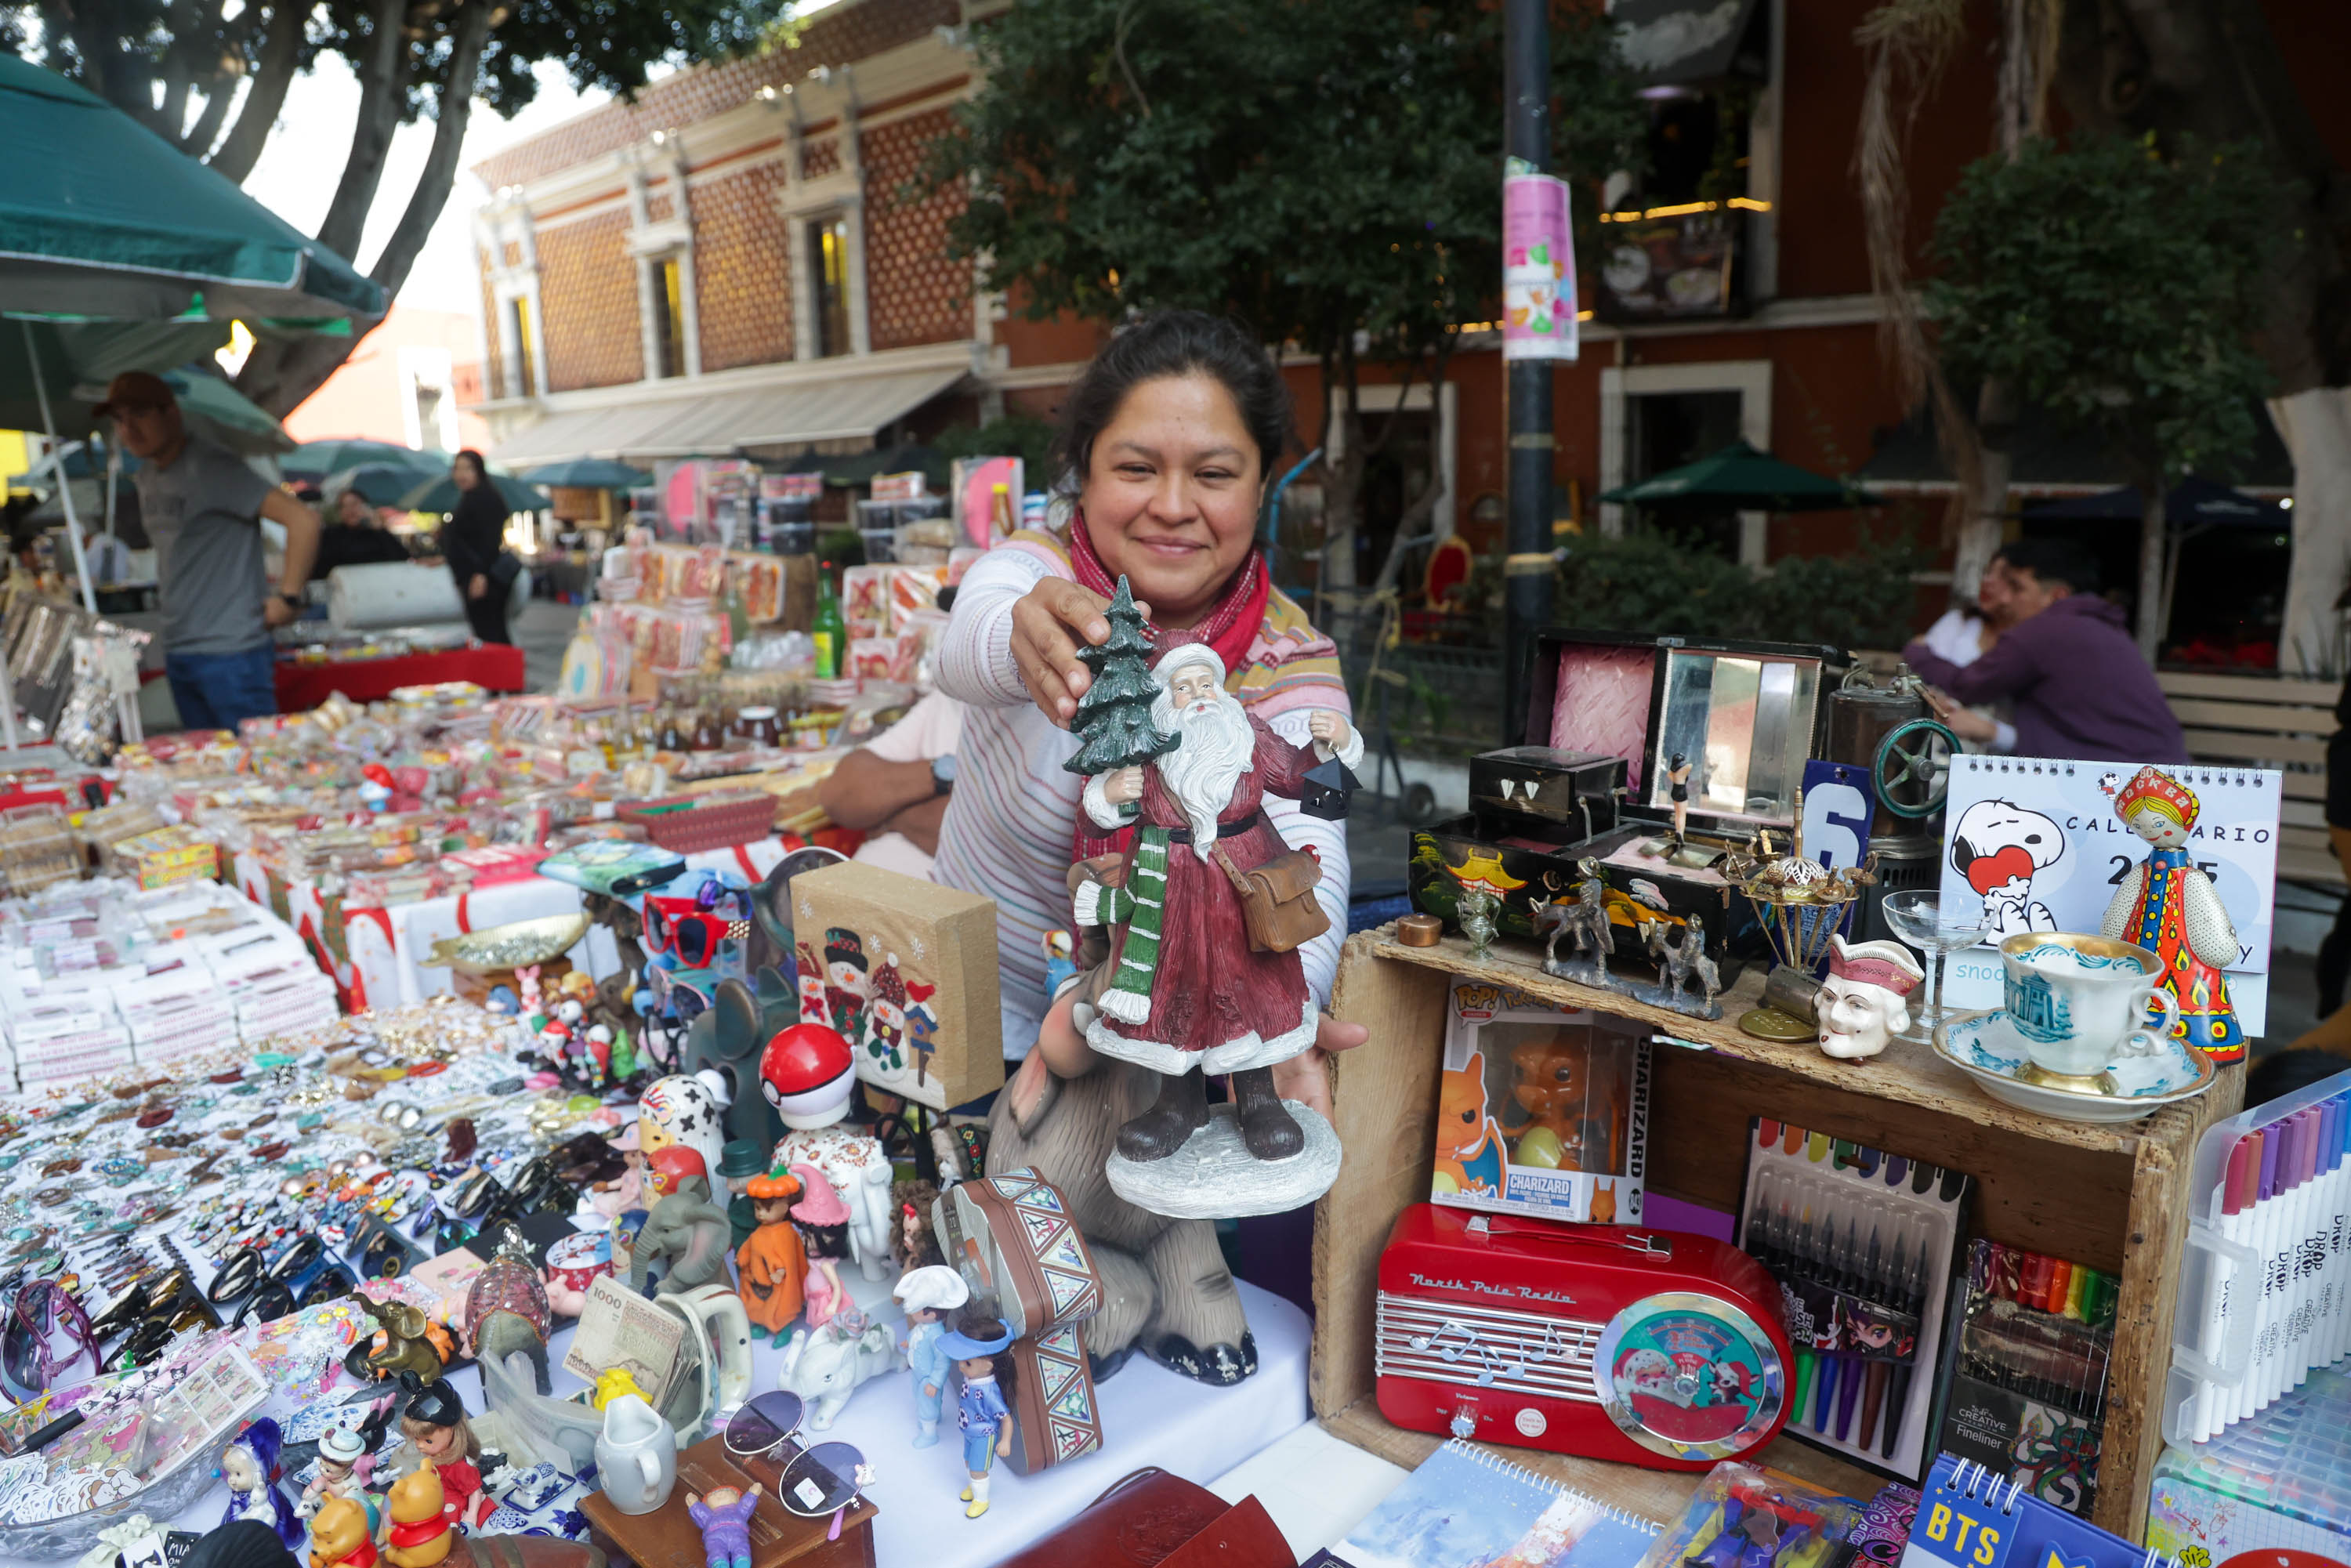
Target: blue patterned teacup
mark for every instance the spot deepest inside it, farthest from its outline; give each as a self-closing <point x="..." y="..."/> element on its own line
<point x="2080" y="1002"/>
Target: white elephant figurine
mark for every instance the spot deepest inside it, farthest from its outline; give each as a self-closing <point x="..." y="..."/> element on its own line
<point x="860" y="1172"/>
<point x="825" y="1367"/>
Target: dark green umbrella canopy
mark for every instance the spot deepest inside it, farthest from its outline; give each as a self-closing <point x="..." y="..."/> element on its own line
<point x="379" y="484"/>
<point x="440" y="495"/>
<point x="587" y="474"/>
<point x="101" y="219"/>
<point x="1741" y="479"/>
<point x="316" y="459"/>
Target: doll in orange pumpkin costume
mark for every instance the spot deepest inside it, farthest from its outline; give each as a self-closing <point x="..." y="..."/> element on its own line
<point x="1188" y="991"/>
<point x="2168" y="905"/>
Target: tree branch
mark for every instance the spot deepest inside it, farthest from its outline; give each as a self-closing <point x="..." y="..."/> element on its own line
<point x="218" y="97"/>
<point x="179" y="68"/>
<point x="281" y="51"/>
<point x="382" y="77"/>
<point x="432" y="192"/>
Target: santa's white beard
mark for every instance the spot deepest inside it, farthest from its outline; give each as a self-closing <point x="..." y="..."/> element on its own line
<point x="1202" y="772"/>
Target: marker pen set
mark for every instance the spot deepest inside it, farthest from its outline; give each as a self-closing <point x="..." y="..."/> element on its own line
<point x="2267" y="1278"/>
<point x="2028" y="1388"/>
<point x="1862" y="1243"/>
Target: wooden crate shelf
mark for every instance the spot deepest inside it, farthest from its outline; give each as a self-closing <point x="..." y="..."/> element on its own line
<point x="2111" y="1197"/>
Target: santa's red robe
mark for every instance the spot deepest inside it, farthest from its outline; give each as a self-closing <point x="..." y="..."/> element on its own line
<point x="1214" y="1003"/>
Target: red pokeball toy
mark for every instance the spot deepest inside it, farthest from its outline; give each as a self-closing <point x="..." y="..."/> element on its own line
<point x="806" y="1073"/>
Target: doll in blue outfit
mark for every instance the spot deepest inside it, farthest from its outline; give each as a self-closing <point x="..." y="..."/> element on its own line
<point x="977" y="1345"/>
<point x="929" y="1294"/>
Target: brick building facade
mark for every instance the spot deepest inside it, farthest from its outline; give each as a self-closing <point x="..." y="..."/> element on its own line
<point x="733" y="263"/>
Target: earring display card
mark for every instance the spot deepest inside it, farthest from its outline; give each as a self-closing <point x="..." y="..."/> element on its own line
<point x="1863" y="1244"/>
<point x="1542" y="1111"/>
<point x="907" y="970"/>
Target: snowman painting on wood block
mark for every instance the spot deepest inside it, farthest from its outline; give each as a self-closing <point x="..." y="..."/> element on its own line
<point x="1204" y="915"/>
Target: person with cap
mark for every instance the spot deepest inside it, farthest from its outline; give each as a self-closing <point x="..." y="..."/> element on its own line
<point x="928" y="1294"/>
<point x="202" y="508"/>
<point x="977" y="1345"/>
<point x="738" y="1162"/>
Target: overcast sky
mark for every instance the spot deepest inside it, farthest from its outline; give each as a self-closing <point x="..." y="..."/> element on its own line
<point x="297" y="172"/>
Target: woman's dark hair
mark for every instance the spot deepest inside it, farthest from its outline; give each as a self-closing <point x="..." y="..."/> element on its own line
<point x="481" y="466"/>
<point x="1176" y="343"/>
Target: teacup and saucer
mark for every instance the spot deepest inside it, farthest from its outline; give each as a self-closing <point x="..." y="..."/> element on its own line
<point x="2073" y="1038"/>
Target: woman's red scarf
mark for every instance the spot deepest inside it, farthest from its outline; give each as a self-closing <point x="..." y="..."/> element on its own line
<point x="1230" y="626"/>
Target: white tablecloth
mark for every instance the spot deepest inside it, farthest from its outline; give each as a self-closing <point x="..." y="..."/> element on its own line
<point x="387" y="946"/>
<point x="1152" y="1417"/>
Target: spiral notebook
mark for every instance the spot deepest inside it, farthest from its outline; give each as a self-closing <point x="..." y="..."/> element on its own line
<point x="2035" y="843"/>
<point x="1467" y="1508"/>
<point x="1971" y="1517"/>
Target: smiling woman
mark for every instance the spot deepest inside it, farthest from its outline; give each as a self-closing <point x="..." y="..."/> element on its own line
<point x="1167" y="444"/>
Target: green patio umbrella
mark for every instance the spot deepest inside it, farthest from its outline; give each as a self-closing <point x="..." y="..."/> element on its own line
<point x="379" y="484"/>
<point x="222" y="412"/>
<point x="1738" y="479"/>
<point x="587" y="474"/>
<point x="440" y="495"/>
<point x="316" y="459"/>
<point x="101" y="219"/>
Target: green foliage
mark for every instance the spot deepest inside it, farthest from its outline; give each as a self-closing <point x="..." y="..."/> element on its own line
<point x="2115" y="288"/>
<point x="1316" y="167"/>
<point x="1650" y="581"/>
<point x="1021" y="435"/>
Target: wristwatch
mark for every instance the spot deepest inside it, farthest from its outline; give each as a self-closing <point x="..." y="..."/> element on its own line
<point x="942" y="772"/>
<point x="294" y="600"/>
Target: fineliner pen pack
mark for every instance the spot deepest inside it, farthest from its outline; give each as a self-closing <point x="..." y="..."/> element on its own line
<point x="1864" y="1243"/>
<point x="2265" y="1281"/>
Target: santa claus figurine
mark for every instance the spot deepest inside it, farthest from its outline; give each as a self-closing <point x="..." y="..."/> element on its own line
<point x="2168" y="905"/>
<point x="1185" y="992"/>
<point x="1866" y="1001"/>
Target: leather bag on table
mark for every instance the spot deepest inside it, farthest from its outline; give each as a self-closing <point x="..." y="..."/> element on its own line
<point x="1154" y="1519"/>
<point x="1278" y="903"/>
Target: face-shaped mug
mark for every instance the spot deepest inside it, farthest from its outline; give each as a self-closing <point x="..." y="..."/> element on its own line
<point x="2080" y="1002"/>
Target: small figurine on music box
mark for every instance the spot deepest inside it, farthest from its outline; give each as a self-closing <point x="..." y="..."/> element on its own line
<point x="2168" y="905"/>
<point x="1203" y="974"/>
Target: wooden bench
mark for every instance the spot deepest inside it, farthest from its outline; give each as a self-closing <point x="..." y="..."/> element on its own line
<point x="2268" y="721"/>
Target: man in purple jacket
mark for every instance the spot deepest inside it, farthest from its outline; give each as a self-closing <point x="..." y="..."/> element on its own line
<point x="2066" y="664"/>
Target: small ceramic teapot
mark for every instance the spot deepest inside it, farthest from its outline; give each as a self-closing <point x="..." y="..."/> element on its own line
<point x="637" y="1458"/>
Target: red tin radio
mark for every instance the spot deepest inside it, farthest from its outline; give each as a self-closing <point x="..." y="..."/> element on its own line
<point x="1647" y="1347"/>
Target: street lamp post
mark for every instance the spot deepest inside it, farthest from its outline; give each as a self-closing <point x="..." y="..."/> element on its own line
<point x="1526" y="566"/>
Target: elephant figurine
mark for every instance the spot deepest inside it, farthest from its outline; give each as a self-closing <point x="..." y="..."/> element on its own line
<point x="826" y="1366"/>
<point x="1165" y="1288"/>
<point x="859" y="1169"/>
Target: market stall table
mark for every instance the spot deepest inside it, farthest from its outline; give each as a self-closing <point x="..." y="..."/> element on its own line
<point x="379" y="956"/>
<point x="302" y="686"/>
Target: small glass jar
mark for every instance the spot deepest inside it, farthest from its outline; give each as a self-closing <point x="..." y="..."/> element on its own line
<point x="709" y="735"/>
<point x="755" y="724"/>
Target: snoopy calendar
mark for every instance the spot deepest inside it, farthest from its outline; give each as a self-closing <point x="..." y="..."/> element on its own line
<point x="2038" y="845"/>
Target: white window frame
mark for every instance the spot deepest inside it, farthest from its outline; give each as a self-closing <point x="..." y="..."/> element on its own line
<point x="803" y="202"/>
<point x="508" y="284"/>
<point x="653" y="245"/>
<point x="1418" y="397"/>
<point x="1751" y="379"/>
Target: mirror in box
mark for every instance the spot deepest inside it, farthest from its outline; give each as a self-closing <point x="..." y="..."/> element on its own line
<point x="1661" y="757"/>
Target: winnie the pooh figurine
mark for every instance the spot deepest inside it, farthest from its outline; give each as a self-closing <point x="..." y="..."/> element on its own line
<point x="419" y="1533"/>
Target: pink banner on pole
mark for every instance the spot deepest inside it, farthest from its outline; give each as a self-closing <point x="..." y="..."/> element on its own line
<point x="1538" y="269"/>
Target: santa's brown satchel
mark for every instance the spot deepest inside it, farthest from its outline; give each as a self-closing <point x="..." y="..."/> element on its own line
<point x="1278" y="902"/>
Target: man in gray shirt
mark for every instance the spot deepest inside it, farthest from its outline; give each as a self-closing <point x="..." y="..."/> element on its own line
<point x="202" y="508"/>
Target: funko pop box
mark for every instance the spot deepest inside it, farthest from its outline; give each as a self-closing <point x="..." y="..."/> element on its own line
<point x="1542" y="1110"/>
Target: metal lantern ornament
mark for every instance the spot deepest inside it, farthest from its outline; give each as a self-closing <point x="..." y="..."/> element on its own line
<point x="1802" y="904"/>
<point x="1328" y="787"/>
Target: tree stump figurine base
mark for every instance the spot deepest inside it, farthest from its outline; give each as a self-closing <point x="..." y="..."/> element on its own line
<point x="1214" y="1175"/>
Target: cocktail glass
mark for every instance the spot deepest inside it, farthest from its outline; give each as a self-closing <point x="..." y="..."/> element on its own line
<point x="1920" y="918"/>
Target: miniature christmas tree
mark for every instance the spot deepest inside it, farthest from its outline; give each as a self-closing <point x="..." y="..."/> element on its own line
<point x="1113" y="718"/>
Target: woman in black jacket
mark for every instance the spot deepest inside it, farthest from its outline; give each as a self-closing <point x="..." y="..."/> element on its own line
<point x="471" y="541"/>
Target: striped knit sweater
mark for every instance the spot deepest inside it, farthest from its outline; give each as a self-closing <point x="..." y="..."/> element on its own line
<point x="1013" y="816"/>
